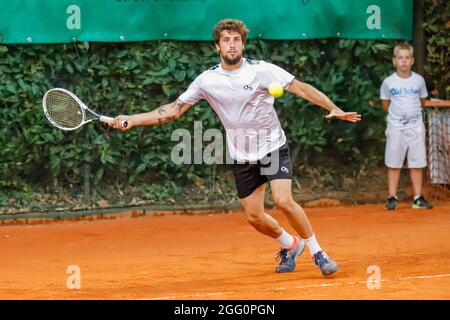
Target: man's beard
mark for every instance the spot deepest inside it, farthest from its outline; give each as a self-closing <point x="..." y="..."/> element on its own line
<point x="231" y="62"/>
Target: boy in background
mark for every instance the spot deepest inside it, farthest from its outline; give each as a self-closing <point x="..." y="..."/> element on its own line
<point x="403" y="95"/>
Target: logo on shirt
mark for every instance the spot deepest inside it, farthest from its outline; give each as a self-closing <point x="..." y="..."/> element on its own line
<point x="405" y="91"/>
<point x="284" y="169"/>
<point x="252" y="62"/>
<point x="247" y="88"/>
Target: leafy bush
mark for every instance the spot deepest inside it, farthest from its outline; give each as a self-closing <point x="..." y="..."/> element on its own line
<point x="117" y="78"/>
<point x="437" y="38"/>
<point x="138" y="77"/>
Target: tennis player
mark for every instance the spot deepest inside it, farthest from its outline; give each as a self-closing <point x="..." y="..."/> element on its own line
<point x="237" y="91"/>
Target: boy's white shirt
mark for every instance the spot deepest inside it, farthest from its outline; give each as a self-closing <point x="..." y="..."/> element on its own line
<point x="405" y="110"/>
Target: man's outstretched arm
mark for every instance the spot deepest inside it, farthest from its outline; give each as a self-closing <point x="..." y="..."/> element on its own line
<point x="308" y="92"/>
<point x="161" y="115"/>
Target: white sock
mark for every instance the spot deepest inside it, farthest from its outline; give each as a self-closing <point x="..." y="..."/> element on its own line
<point x="285" y="240"/>
<point x="313" y="245"/>
<point x="416" y="197"/>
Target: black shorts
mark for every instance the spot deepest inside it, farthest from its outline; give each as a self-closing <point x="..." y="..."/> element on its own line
<point x="249" y="176"/>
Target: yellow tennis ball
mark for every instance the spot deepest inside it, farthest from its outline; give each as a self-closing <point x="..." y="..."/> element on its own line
<point x="276" y="89"/>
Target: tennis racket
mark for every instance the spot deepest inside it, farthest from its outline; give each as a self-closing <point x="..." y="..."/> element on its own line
<point x="67" y="112"/>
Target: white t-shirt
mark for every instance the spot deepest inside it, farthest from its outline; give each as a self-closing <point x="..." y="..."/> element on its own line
<point x="405" y="110"/>
<point x="244" y="106"/>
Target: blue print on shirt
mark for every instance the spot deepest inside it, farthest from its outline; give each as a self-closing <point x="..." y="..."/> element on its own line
<point x="404" y="91"/>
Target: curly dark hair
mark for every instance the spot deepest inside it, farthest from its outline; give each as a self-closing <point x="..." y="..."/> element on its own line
<point x="230" y="25"/>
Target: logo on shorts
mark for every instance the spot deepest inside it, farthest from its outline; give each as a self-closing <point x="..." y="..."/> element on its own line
<point x="284" y="169"/>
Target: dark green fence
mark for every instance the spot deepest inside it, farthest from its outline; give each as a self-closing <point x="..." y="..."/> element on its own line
<point x="49" y="21"/>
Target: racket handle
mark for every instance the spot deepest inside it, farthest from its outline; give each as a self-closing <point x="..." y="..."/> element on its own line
<point x="124" y="123"/>
<point x="106" y="119"/>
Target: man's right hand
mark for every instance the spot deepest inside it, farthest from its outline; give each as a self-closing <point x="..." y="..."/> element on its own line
<point x="117" y="123"/>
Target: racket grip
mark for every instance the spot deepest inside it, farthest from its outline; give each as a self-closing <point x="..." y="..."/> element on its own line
<point x="124" y="123"/>
<point x="106" y="119"/>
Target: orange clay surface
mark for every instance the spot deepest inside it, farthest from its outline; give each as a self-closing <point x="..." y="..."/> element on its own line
<point x="220" y="256"/>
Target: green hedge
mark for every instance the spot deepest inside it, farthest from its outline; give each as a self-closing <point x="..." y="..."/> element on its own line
<point x="437" y="39"/>
<point x="137" y="77"/>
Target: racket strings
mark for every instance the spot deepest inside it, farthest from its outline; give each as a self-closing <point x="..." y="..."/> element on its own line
<point x="63" y="109"/>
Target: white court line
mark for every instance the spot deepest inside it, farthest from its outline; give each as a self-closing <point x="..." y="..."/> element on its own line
<point x="191" y="295"/>
<point x="299" y="287"/>
<point x="427" y="277"/>
<point x="318" y="285"/>
<point x="162" y="298"/>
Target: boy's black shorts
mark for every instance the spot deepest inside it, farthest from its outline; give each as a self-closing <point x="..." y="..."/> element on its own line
<point x="249" y="176"/>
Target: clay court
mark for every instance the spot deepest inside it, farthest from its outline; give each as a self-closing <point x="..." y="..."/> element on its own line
<point x="220" y="256"/>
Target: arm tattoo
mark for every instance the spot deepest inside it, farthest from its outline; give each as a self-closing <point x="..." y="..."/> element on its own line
<point x="166" y="119"/>
<point x="177" y="105"/>
<point x="161" y="110"/>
